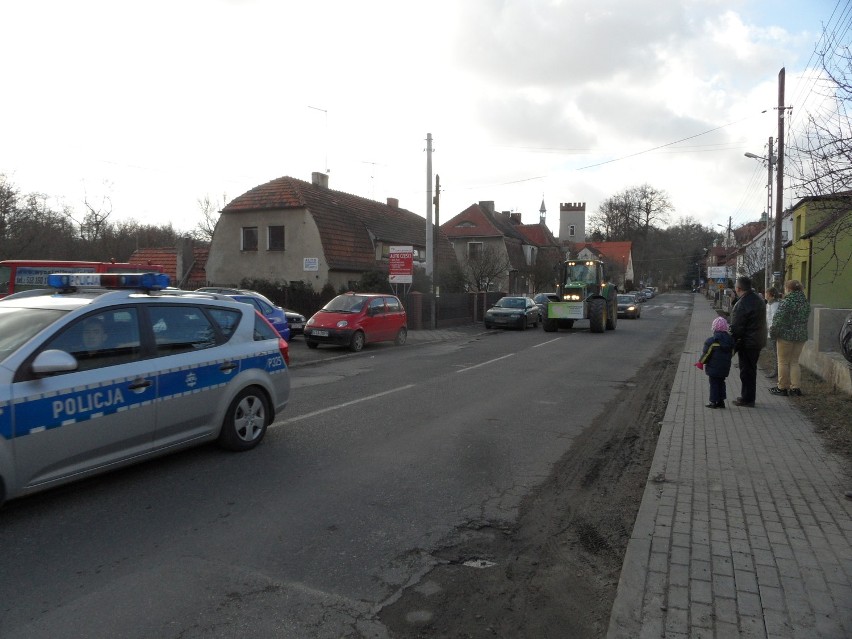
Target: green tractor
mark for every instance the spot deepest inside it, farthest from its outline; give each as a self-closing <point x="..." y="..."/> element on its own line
<point x="584" y="293"/>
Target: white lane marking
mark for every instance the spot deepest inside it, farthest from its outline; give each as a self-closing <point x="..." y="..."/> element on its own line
<point x="550" y="341"/>
<point x="490" y="361"/>
<point x="343" y="405"/>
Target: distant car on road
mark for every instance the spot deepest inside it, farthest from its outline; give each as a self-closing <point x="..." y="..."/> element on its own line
<point x="628" y="306"/>
<point x="513" y="311"/>
<point x="641" y="296"/>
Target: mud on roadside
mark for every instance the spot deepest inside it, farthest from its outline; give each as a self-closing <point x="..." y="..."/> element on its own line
<point x="554" y="573"/>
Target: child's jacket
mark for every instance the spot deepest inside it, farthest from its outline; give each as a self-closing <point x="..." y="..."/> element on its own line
<point x="717" y="354"/>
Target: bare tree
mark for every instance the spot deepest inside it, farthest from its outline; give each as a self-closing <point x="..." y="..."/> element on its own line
<point x="819" y="158"/>
<point x="210" y="211"/>
<point x="653" y="206"/>
<point x="485" y="268"/>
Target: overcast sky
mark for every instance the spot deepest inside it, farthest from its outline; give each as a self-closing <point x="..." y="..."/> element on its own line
<point x="158" y="104"/>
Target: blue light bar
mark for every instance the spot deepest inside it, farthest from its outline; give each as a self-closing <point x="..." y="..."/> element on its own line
<point x="142" y="281"/>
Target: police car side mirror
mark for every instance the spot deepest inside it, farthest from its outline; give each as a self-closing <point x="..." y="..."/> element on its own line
<point x="54" y="361"/>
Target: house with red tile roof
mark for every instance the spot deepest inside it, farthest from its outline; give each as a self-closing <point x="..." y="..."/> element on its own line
<point x="517" y="248"/>
<point x="290" y="230"/>
<point x="618" y="257"/>
<point x="184" y="264"/>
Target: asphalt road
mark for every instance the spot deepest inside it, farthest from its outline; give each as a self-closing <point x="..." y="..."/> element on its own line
<point x="379" y="456"/>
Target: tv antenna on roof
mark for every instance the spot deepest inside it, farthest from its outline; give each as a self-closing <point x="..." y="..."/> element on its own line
<point x="326" y="134"/>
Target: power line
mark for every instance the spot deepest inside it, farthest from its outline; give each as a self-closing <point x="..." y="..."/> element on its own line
<point x="662" y="146"/>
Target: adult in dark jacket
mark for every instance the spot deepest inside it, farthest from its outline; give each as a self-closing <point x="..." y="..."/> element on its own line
<point x="748" y="328"/>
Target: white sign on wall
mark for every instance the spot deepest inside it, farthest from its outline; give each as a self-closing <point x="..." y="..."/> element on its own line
<point x="311" y="264"/>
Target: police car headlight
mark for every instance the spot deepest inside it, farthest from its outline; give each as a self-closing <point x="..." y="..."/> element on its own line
<point x="342" y="324"/>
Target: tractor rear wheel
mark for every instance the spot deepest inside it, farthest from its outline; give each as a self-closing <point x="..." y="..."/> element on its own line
<point x="612" y="314"/>
<point x="597" y="315"/>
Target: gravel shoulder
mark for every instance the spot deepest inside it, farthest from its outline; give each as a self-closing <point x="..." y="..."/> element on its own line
<point x="555" y="572"/>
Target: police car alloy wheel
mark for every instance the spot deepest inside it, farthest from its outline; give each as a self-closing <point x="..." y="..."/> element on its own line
<point x="245" y="421"/>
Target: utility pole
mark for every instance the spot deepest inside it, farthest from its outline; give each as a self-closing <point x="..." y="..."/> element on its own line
<point x="437" y="230"/>
<point x="779" y="176"/>
<point x="429" y="247"/>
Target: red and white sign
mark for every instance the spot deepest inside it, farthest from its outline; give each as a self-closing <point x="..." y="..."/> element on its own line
<point x="400" y="263"/>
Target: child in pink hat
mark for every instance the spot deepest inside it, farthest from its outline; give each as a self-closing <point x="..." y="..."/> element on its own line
<point x="716" y="361"/>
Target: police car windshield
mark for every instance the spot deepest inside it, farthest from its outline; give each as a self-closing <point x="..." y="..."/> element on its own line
<point x="18" y="325"/>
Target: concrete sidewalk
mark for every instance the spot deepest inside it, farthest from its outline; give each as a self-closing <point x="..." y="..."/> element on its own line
<point x="743" y="530"/>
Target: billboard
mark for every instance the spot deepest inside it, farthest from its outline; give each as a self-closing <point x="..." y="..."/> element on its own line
<point x="400" y="263"/>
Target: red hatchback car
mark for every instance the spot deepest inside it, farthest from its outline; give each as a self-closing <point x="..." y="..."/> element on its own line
<point x="355" y="319"/>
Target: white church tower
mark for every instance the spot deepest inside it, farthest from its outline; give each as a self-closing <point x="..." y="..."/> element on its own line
<point x="572" y="222"/>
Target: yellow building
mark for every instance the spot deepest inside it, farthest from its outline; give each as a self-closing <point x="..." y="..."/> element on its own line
<point x="820" y="252"/>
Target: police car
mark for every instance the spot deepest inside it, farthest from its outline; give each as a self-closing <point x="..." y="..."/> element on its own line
<point x="105" y="371"/>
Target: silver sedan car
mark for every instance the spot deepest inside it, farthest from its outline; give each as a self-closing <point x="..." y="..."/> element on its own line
<point x="92" y="379"/>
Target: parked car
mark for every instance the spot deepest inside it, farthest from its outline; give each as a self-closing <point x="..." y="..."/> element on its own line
<point x="92" y="379"/>
<point x="296" y="321"/>
<point x="513" y="311"/>
<point x="276" y="315"/>
<point x="542" y="299"/>
<point x="357" y="319"/>
<point x="628" y="306"/>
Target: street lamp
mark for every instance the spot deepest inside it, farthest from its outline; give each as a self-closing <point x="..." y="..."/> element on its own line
<point x="770" y="161"/>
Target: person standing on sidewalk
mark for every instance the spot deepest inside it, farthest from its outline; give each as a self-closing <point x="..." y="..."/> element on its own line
<point x="716" y="361"/>
<point x="790" y="331"/>
<point x="771" y="307"/>
<point x="748" y="328"/>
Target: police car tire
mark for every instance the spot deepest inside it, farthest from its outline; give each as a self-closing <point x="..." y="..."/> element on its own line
<point x="250" y="403"/>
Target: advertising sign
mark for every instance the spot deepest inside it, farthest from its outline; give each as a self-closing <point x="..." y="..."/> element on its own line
<point x="715" y="272"/>
<point x="400" y="263"/>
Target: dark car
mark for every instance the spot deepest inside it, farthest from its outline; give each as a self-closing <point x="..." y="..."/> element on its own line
<point x="296" y="321"/>
<point x="280" y="318"/>
<point x="628" y="306"/>
<point x="542" y="299"/>
<point x="514" y="312"/>
<point x="640" y="296"/>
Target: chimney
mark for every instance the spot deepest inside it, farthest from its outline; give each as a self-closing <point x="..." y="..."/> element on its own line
<point x="319" y="179"/>
<point x="487" y="205"/>
<point x="515" y="217"/>
<point x="393" y="202"/>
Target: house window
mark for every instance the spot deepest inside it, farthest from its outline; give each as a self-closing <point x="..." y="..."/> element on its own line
<point x="571" y="231"/>
<point x="474" y="250"/>
<point x="248" y="240"/>
<point x="275" y="238"/>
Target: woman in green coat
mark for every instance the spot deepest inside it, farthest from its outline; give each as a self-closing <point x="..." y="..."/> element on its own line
<point x="790" y="332"/>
